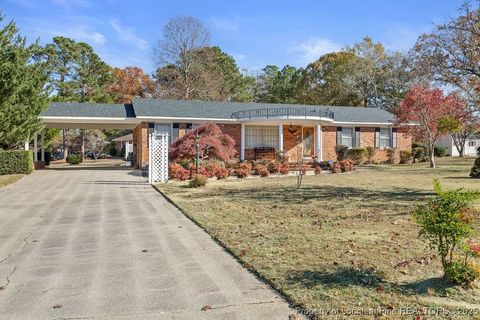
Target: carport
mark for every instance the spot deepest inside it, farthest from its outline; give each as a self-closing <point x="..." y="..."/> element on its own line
<point x="67" y="115"/>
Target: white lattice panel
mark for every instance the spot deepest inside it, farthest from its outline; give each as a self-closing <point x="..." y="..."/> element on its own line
<point x="158" y="158"/>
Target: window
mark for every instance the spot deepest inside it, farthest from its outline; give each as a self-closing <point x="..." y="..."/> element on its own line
<point x="179" y="130"/>
<point x="261" y="136"/>
<point x="472" y="143"/>
<point x="347" y="137"/>
<point x="385" y="138"/>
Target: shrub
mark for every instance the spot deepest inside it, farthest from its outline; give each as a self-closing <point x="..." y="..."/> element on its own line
<point x="439" y="151"/>
<point x="419" y="152"/>
<point x="178" y="172"/>
<point x="346" y="165"/>
<point x="213" y="144"/>
<point x="318" y="170"/>
<point x="446" y="222"/>
<point x="475" y="171"/>
<point x="283" y="168"/>
<point x="74" y="159"/>
<point x="405" y="156"/>
<point x="243" y="170"/>
<point x="357" y="155"/>
<point x="272" y="166"/>
<point x="218" y="171"/>
<point x="341" y="152"/>
<point x="370" y="153"/>
<point x="262" y="170"/>
<point x="459" y="273"/>
<point x="335" y="167"/>
<point x="198" y="181"/>
<point x="16" y="161"/>
<point x="391" y="155"/>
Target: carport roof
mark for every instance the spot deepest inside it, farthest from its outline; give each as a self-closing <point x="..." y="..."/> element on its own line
<point x="89" y="110"/>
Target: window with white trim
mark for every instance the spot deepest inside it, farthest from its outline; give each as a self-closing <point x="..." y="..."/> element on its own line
<point x="385" y="138"/>
<point x="347" y="137"/>
<point x="472" y="143"/>
<point x="261" y="136"/>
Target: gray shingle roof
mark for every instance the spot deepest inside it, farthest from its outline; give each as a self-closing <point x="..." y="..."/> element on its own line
<point x="224" y="110"/>
<point x="201" y="110"/>
<point x="94" y="110"/>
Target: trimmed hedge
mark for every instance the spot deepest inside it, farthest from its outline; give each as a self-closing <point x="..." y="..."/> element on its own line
<point x="16" y="161"/>
<point x="74" y="159"/>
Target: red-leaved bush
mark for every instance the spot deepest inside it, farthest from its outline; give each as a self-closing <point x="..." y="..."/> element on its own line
<point x="283" y="168"/>
<point x="347" y="165"/>
<point x="335" y="167"/>
<point x="216" y="170"/>
<point x="213" y="144"/>
<point x="262" y="170"/>
<point x="243" y="170"/>
<point x="176" y="171"/>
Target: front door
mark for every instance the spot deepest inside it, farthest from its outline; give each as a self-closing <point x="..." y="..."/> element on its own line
<point x="308" y="141"/>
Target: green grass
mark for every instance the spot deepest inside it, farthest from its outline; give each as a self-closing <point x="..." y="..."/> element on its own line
<point x="7" y="179"/>
<point x="341" y="241"/>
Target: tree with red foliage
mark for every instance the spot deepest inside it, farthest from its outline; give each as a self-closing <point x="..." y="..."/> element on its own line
<point x="426" y="114"/>
<point x="130" y="82"/>
<point x="213" y="144"/>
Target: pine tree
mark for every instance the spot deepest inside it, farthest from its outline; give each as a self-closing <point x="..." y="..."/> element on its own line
<point x="23" y="93"/>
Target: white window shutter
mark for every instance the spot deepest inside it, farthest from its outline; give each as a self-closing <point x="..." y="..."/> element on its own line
<point x="377" y="137"/>
<point x="339" y="136"/>
<point x="394" y="138"/>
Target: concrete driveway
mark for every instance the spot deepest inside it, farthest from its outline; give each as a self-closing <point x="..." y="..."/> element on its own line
<point x="98" y="243"/>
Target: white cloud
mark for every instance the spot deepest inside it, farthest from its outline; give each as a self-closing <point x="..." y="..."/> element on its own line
<point x="79" y="32"/>
<point x="225" y="24"/>
<point x="128" y="35"/>
<point x="239" y="56"/>
<point x="310" y="50"/>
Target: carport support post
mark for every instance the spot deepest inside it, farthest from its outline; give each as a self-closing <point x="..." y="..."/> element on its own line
<point x="35" y="148"/>
<point x="318" y="142"/>
<point x="280" y="137"/>
<point x="42" y="141"/>
<point x="242" y="142"/>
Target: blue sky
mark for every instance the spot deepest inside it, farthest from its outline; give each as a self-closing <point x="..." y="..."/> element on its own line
<point x="255" y="33"/>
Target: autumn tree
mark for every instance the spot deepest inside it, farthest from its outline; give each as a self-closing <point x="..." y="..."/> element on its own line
<point x="213" y="144"/>
<point x="275" y="85"/>
<point x="451" y="52"/>
<point x="23" y="93"/>
<point x="380" y="79"/>
<point x="130" y="82"/>
<point x="175" y="53"/>
<point x="323" y="81"/>
<point x="213" y="76"/>
<point x="425" y="113"/>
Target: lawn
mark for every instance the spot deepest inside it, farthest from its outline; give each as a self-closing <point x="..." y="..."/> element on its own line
<point x="9" y="178"/>
<point x="341" y="241"/>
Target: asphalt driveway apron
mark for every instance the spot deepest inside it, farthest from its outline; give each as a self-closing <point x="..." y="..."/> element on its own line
<point x="98" y="243"/>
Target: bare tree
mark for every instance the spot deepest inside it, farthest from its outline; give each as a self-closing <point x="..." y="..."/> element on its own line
<point x="182" y="36"/>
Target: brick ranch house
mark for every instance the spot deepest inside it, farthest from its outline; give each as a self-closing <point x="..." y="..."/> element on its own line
<point x="260" y="130"/>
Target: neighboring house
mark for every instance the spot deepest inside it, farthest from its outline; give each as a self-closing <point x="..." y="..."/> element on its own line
<point x="260" y="130"/>
<point x="470" y="150"/>
<point x="124" y="143"/>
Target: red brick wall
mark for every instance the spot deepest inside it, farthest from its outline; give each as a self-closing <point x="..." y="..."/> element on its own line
<point x="367" y="138"/>
<point x="140" y="145"/>
<point x="329" y="141"/>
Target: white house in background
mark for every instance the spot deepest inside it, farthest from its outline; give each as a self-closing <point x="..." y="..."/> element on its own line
<point x="471" y="145"/>
<point x="124" y="141"/>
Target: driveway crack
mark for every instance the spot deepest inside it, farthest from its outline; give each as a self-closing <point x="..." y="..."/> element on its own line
<point x="10" y="256"/>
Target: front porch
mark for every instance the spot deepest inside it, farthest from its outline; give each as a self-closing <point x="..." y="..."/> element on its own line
<point x="292" y="141"/>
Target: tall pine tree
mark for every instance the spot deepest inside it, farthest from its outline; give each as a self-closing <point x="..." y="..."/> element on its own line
<point x="23" y="94"/>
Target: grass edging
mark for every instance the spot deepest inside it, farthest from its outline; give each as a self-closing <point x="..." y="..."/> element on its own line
<point x="245" y="265"/>
<point x="9" y="180"/>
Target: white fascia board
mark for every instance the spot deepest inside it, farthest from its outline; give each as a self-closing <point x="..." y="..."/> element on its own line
<point x="50" y="119"/>
<point x="186" y="119"/>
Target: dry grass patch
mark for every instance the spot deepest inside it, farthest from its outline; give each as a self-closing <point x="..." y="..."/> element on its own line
<point x="7" y="179"/>
<point x="341" y="241"/>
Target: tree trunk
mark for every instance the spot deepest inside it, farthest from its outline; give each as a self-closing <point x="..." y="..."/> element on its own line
<point x="432" y="156"/>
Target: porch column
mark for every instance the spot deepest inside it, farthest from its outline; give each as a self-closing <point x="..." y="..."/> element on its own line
<point x="280" y="137"/>
<point x="242" y="143"/>
<point x="318" y="144"/>
<point x="42" y="141"/>
<point x="35" y="148"/>
<point x="27" y="145"/>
